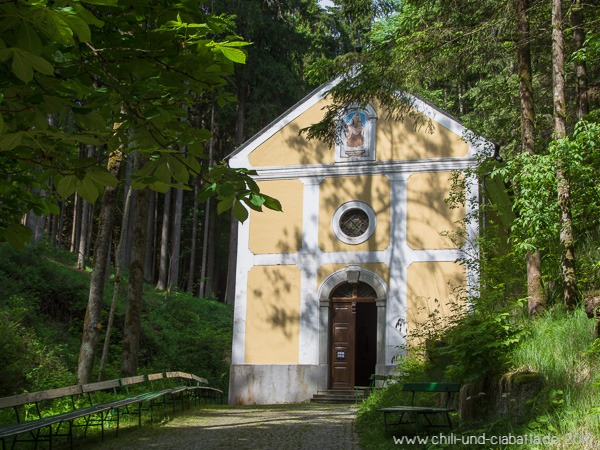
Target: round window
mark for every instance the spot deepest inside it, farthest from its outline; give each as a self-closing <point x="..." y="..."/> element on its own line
<point x="354" y="222"/>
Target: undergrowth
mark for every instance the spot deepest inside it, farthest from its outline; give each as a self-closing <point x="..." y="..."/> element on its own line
<point x="42" y="305"/>
<point x="558" y="346"/>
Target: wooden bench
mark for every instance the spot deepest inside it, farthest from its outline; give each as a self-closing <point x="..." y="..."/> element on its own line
<point x="94" y="404"/>
<point x="413" y="411"/>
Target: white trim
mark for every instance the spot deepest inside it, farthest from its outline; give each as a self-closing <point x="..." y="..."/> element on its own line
<point x="374" y="168"/>
<point x="245" y="262"/>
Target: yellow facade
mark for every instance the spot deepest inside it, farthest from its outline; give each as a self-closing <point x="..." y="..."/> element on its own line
<point x="429" y="218"/>
<point x="288" y="148"/>
<point x="278" y="232"/>
<point x="434" y="289"/>
<point x="374" y="190"/>
<point x="273" y="315"/>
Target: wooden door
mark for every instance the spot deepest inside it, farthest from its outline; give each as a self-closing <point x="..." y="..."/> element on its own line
<point x="343" y="339"/>
<point x="343" y="320"/>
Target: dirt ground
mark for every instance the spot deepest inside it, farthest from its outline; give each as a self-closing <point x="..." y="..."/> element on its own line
<point x="300" y="426"/>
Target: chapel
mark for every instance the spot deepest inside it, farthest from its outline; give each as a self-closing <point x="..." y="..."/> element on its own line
<point x="331" y="290"/>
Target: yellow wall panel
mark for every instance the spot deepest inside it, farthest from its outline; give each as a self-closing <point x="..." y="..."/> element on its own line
<point x="428" y="215"/>
<point x="288" y="148"/>
<point x="422" y="139"/>
<point x="372" y="190"/>
<point x="278" y="232"/>
<point x="273" y="315"/>
<point x="433" y="288"/>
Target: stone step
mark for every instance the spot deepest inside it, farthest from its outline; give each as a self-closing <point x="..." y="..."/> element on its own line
<point x="339" y="396"/>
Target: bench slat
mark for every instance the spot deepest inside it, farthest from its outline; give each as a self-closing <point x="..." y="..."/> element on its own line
<point x="431" y="387"/>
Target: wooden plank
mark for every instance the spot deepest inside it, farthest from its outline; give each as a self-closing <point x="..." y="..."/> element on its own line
<point x="199" y="379"/>
<point x="155" y="376"/>
<point x="128" y="381"/>
<point x="33" y="397"/>
<point x="100" y="386"/>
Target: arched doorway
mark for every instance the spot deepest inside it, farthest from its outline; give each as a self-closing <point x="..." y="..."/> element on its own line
<point x="353" y="335"/>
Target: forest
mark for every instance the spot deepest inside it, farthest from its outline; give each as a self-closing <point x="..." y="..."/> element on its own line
<point x="116" y="119"/>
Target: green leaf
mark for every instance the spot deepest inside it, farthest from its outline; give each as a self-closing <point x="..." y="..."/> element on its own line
<point x="87" y="189"/>
<point x="79" y="26"/>
<point x="225" y="204"/>
<point x="88" y="16"/>
<point x="91" y="121"/>
<point x="240" y="212"/>
<point x="162" y="172"/>
<point x="178" y="170"/>
<point x="16" y="235"/>
<point x="28" y="39"/>
<point x="159" y="186"/>
<point x="257" y="200"/>
<point x="1" y="123"/>
<point x="21" y="68"/>
<point x="101" y="176"/>
<point x="66" y="186"/>
<point x="58" y="28"/>
<point x="272" y="203"/>
<point x="10" y="141"/>
<point x="24" y="63"/>
<point x="233" y="54"/>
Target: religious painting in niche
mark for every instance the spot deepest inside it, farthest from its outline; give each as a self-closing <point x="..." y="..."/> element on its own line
<point x="355" y="132"/>
<point x="357" y="140"/>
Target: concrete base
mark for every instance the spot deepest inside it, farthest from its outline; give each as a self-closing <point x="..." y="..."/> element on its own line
<point x="270" y="384"/>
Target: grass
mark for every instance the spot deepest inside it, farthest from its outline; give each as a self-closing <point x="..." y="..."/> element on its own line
<point x="563" y="350"/>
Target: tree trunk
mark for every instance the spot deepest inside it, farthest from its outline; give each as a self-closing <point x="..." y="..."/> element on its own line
<point x="192" y="268"/>
<point x="135" y="288"/>
<point x="176" y="241"/>
<point x="535" y="292"/>
<point x="92" y="321"/>
<point x="206" y="231"/>
<point x="211" y="286"/>
<point x="232" y="262"/>
<point x="205" y="244"/>
<point x="580" y="66"/>
<point x="90" y="231"/>
<point x="61" y="222"/>
<point x="164" y="244"/>
<point x="151" y="240"/>
<point x="567" y="258"/>
<point x="75" y="225"/>
<point x="83" y="235"/>
<point x="116" y="286"/>
<point x="126" y="250"/>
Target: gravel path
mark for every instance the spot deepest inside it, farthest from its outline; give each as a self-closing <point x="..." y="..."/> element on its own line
<point x="300" y="426"/>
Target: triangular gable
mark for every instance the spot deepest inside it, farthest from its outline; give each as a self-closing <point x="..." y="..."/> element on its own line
<point x="282" y="136"/>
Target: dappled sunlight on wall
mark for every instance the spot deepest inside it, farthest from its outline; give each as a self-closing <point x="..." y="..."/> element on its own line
<point x="372" y="190"/>
<point x="429" y="218"/>
<point x="278" y="232"/>
<point x="289" y="148"/>
<point x="435" y="289"/>
<point x="273" y="315"/>
<point x="412" y="139"/>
